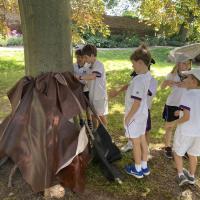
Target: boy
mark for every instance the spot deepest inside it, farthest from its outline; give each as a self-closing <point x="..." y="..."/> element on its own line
<point x="187" y="135"/>
<point x="96" y="79"/>
<point x="136" y="112"/>
<point x="80" y="68"/>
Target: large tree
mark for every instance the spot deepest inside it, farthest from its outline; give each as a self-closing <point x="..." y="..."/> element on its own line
<point x="46" y="27"/>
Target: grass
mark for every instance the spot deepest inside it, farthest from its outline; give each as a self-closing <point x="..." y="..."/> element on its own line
<point x="118" y="68"/>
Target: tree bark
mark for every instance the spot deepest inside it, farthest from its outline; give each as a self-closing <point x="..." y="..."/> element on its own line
<point x="183" y="32"/>
<point x="46" y="28"/>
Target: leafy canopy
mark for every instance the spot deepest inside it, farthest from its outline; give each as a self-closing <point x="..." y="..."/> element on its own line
<point x="86" y="15"/>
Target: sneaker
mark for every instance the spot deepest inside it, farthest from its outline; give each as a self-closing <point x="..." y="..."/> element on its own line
<point x="146" y="171"/>
<point x="130" y="169"/>
<point x="190" y="178"/>
<point x="127" y="147"/>
<point x="182" y="180"/>
<point x="168" y="152"/>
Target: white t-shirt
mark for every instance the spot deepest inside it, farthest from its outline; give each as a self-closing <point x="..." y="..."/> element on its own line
<point x="191" y="101"/>
<point x="138" y="89"/>
<point x="97" y="87"/>
<point x="174" y="98"/>
<point x="151" y="91"/>
<point x="80" y="71"/>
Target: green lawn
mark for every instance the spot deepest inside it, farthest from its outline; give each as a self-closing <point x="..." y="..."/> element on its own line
<point x="160" y="184"/>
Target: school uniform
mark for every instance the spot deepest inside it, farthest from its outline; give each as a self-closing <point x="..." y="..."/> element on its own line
<point x="80" y="71"/>
<point x="187" y="134"/>
<point x="172" y="104"/>
<point x="150" y="95"/>
<point x="137" y="89"/>
<point x="97" y="88"/>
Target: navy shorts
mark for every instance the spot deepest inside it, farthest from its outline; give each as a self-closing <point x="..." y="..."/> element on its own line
<point x="169" y="113"/>
<point x="148" y="127"/>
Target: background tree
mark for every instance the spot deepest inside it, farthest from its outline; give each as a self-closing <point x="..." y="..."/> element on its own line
<point x="180" y="17"/>
<point x="87" y="15"/>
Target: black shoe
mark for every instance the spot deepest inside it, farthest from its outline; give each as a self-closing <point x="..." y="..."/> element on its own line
<point x="168" y="152"/>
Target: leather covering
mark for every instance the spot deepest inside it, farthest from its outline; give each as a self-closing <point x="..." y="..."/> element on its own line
<point x="40" y="136"/>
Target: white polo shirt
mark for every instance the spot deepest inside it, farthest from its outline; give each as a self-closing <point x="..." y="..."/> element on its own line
<point x="138" y="89"/>
<point x="97" y="87"/>
<point x="191" y="101"/>
<point x="175" y="96"/>
<point x="151" y="91"/>
<point x="79" y="71"/>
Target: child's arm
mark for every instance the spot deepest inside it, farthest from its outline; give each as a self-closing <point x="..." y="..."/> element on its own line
<point x="88" y="77"/>
<point x="167" y="83"/>
<point x="134" y="108"/>
<point x="184" y="118"/>
<point x="114" y="93"/>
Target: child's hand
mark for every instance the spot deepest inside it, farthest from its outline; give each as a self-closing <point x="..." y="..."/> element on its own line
<point x="170" y="83"/>
<point x="113" y="93"/>
<point x="181" y="84"/>
<point x="77" y="77"/>
<point x="177" y="113"/>
<point x="127" y="120"/>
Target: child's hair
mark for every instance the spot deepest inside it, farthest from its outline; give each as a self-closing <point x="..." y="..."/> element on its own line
<point x="175" y="68"/>
<point x="78" y="52"/>
<point x="142" y="53"/>
<point x="89" y="49"/>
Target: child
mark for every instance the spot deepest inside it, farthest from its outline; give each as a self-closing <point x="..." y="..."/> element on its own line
<point x="96" y="79"/>
<point x="80" y="68"/>
<point x="183" y="63"/>
<point x="187" y="135"/>
<point x="151" y="93"/>
<point x="136" y="112"/>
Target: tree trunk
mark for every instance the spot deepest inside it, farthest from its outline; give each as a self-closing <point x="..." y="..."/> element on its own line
<point x="183" y="32"/>
<point x="46" y="28"/>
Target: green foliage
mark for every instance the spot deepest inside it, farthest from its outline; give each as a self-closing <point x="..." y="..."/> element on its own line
<point x="129" y="13"/>
<point x="3" y="41"/>
<point x="11" y="41"/>
<point x="112" y="41"/>
<point x="88" y="15"/>
<point x="15" y="41"/>
<point x="167" y="16"/>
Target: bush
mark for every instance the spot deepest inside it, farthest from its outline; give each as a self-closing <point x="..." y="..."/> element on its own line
<point x="113" y="41"/>
<point x="128" y="41"/>
<point x="11" y="41"/>
<point x="3" y="41"/>
<point x="15" y="41"/>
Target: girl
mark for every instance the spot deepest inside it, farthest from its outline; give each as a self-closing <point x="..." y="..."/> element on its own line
<point x="183" y="63"/>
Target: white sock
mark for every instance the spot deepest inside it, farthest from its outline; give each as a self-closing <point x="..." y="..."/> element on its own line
<point x="191" y="175"/>
<point x="181" y="173"/>
<point x="144" y="164"/>
<point x="138" y="167"/>
<point x="130" y="143"/>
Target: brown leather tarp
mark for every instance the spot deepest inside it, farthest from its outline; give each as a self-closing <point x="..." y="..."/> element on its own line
<point x="39" y="135"/>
